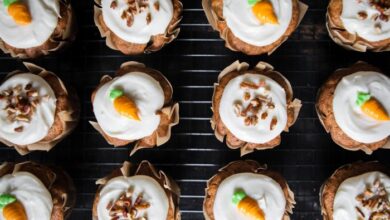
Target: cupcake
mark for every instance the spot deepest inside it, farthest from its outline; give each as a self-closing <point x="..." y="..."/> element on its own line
<point x="135" y="106"/>
<point x="136" y="192"/>
<point x="32" y="28"/>
<point x="254" y="26"/>
<point x="33" y="191"/>
<point x="138" y="26"/>
<point x="353" y="107"/>
<point x="252" y="107"/>
<point x="361" y="25"/>
<point x="36" y="110"/>
<point x="357" y="191"/>
<point x="247" y="190"/>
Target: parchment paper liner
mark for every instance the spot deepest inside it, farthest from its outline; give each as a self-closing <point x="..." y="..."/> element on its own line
<point x="129" y="48"/>
<point x="170" y="111"/>
<point x="339" y="74"/>
<point x="57" y="181"/>
<point x="261" y="68"/>
<point x="128" y="169"/>
<point x="329" y="188"/>
<point x="56" y="41"/>
<point x="244" y="166"/>
<point x="350" y="41"/>
<point x="218" y="23"/>
<point x="67" y="118"/>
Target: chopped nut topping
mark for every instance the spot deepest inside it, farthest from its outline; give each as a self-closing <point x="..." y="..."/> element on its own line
<point x="375" y="17"/>
<point x="157" y="6"/>
<point x="375" y="200"/>
<point x="124" y="208"/>
<point x="384" y="17"/>
<point x="19" y="129"/>
<point x="273" y="123"/>
<point x="251" y="120"/>
<point x="264" y="115"/>
<point x="135" y="7"/>
<point x="378" y="28"/>
<point x="148" y="18"/>
<point x="114" y="4"/>
<point x="247" y="96"/>
<point x="248" y="85"/>
<point x="237" y="109"/>
<point x="362" y="15"/>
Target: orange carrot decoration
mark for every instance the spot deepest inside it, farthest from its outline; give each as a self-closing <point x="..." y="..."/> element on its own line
<point x="18" y="11"/>
<point x="124" y="105"/>
<point x="12" y="209"/>
<point x="371" y="107"/>
<point x="248" y="206"/>
<point x="264" y="11"/>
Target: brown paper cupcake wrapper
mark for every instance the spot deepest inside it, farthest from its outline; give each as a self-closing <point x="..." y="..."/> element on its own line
<point x="213" y="20"/>
<point x="242" y="67"/>
<point x="244" y="166"/>
<point x="350" y="41"/>
<point x="69" y="118"/>
<point x="364" y="148"/>
<point x="163" y="133"/>
<point x="330" y="186"/>
<point x="144" y="168"/>
<point x="156" y="42"/>
<point x="57" y="42"/>
<point x="57" y="182"/>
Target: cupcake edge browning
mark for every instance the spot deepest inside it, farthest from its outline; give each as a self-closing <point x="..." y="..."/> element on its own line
<point x="324" y="108"/>
<point x="214" y="13"/>
<point x="156" y="42"/>
<point x="62" y="36"/>
<point x="345" y="39"/>
<point x="242" y="166"/>
<point x="57" y="181"/>
<point x="329" y="188"/>
<point x="67" y="112"/>
<point x="169" y="113"/>
<point x="232" y="71"/>
<point x="128" y="169"/>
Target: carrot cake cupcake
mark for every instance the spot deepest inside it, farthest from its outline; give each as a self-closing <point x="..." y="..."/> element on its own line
<point x="252" y="107"/>
<point x="360" y="25"/>
<point x="247" y="190"/>
<point x="36" y="110"/>
<point x="253" y="26"/>
<point x="136" y="192"/>
<point x="35" y="192"/>
<point x="135" y="106"/>
<point x="138" y="26"/>
<point x="31" y="28"/>
<point x="357" y="191"/>
<point x="353" y="107"/>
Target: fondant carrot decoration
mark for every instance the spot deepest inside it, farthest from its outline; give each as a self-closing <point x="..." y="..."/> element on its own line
<point x="12" y="208"/>
<point x="124" y="105"/>
<point x="264" y="11"/>
<point x="18" y="10"/>
<point x="248" y="206"/>
<point x="371" y="107"/>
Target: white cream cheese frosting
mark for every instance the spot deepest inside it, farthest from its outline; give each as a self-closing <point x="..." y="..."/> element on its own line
<point x="365" y="28"/>
<point x="42" y="118"/>
<point x="150" y="189"/>
<point x="261" y="132"/>
<point x="44" y="14"/>
<point x="140" y="31"/>
<point x="345" y="202"/>
<point x="349" y="116"/>
<point x="148" y="96"/>
<point x="244" y="24"/>
<point x="31" y="192"/>
<point x="265" y="190"/>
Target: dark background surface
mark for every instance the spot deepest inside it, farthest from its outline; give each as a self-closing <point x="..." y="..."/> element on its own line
<point x="306" y="157"/>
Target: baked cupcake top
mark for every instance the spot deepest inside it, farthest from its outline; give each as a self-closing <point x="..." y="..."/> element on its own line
<point x="366" y="196"/>
<point x="361" y="108"/>
<point x="23" y="194"/>
<point x="28" y="106"/>
<point x="258" y="22"/>
<point x="135" y="90"/>
<point x="254" y="108"/>
<point x="137" y="21"/>
<point x="145" y="193"/>
<point x="367" y="18"/>
<point x="30" y="23"/>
